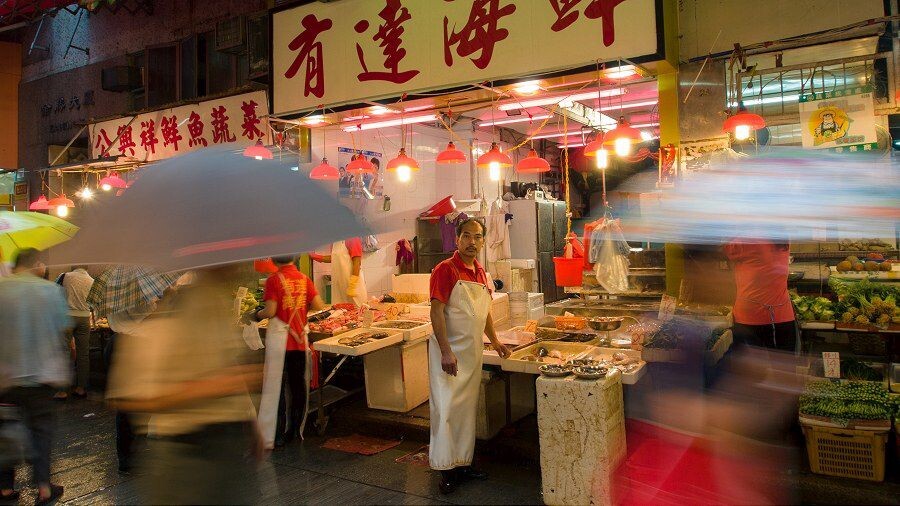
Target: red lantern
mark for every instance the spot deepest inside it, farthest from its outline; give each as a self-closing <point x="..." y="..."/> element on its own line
<point x="451" y="155"/>
<point x="325" y="172"/>
<point x="532" y="164"/>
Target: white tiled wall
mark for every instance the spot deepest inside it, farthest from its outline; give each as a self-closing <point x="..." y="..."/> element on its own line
<point x="428" y="186"/>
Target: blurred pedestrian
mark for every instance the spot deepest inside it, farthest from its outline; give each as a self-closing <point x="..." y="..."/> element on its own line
<point x="77" y="284"/>
<point x="289" y="295"/>
<point x="33" y="363"/>
<point x="184" y="368"/>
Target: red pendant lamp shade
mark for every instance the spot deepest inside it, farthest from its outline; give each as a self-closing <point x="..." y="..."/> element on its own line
<point x="360" y="165"/>
<point x="595" y="145"/>
<point x="325" y="172"/>
<point x="112" y="181"/>
<point x="532" y="164"/>
<point x="402" y="160"/>
<point x="258" y="151"/>
<point x="61" y="200"/>
<point x="622" y="131"/>
<point x="744" y="117"/>
<point x="494" y="155"/>
<point x="451" y="155"/>
<point x="41" y="204"/>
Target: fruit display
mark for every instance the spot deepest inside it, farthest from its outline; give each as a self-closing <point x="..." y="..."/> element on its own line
<point x="874" y="262"/>
<point x="864" y="302"/>
<point x="248" y="303"/>
<point x="813" y="308"/>
<point x="849" y="400"/>
<point x="864" y="245"/>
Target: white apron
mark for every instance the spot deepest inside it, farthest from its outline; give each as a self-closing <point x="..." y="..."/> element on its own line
<point x="341" y="269"/>
<point x="276" y="344"/>
<point x="454" y="399"/>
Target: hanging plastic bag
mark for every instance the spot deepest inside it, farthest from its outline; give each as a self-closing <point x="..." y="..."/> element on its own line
<point x="609" y="253"/>
<point x="370" y="244"/>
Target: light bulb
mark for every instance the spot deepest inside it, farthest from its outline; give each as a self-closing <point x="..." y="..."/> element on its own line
<point x="494" y="171"/>
<point x="646" y="136"/>
<point x="623" y="146"/>
<point x="742" y="132"/>
<point x="404" y="173"/>
<point x="86" y="193"/>
<point x="602" y="158"/>
<point x="62" y="211"/>
<point x="106" y="187"/>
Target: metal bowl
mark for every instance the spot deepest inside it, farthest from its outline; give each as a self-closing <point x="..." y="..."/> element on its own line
<point x="590" y="372"/>
<point x="795" y="276"/>
<point x="605" y="323"/>
<point x="555" y="370"/>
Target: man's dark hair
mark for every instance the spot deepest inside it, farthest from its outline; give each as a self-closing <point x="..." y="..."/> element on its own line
<point x="462" y="224"/>
<point x="284" y="259"/>
<point x="27" y="258"/>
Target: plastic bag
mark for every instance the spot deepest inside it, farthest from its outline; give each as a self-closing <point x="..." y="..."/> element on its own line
<point x="609" y="254"/>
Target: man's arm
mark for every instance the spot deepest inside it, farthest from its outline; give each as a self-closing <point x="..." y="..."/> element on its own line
<point x="439" y="325"/>
<point x="317" y="304"/>
<point x="268" y="311"/>
<point x="501" y="348"/>
<point x="355" y="265"/>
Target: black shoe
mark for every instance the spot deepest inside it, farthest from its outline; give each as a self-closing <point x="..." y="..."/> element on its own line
<point x="280" y="441"/>
<point x="470" y="473"/>
<point x="10" y="499"/>
<point x="56" y="491"/>
<point x="448" y="482"/>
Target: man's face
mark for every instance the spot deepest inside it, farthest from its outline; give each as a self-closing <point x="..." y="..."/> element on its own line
<point x="471" y="240"/>
<point x="828" y="119"/>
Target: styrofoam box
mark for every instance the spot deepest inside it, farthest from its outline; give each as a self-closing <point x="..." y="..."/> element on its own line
<point x="526" y="299"/>
<point x="423" y="330"/>
<point x="411" y="283"/>
<point x="421" y="310"/>
<point x="331" y="345"/>
<point x="522" y="263"/>
<point x="500" y="306"/>
<point x="397" y="377"/>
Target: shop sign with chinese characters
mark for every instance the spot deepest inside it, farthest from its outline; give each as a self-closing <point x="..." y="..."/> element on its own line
<point x="350" y="50"/>
<point x="842" y="120"/>
<point x="236" y="121"/>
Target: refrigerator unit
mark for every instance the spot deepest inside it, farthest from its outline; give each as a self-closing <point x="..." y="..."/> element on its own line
<point x="538" y="231"/>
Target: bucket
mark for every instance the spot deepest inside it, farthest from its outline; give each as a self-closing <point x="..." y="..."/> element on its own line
<point x="569" y="271"/>
<point x="445" y="206"/>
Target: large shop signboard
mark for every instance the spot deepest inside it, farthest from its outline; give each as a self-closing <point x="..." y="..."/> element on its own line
<point x="842" y="120"/>
<point x="236" y="121"/>
<point x="352" y="50"/>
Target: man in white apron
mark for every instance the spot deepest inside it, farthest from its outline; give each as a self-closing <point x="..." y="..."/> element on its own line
<point x="347" y="282"/>
<point x="460" y="315"/>
<point x="289" y="295"/>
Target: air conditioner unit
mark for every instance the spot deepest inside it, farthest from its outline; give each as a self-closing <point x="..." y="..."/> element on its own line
<point x="231" y="35"/>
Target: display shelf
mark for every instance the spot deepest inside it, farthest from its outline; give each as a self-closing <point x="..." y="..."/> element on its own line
<point x="839" y="255"/>
<point x="597" y="291"/>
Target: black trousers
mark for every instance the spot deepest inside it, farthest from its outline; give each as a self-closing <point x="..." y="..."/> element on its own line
<point x="292" y="400"/>
<point x="36" y="407"/>
<point x="126" y="438"/>
<point x="784" y="336"/>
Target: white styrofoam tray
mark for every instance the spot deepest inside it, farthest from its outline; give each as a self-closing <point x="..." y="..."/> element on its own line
<point x="332" y="345"/>
<point x="515" y="363"/>
<point x="423" y="330"/>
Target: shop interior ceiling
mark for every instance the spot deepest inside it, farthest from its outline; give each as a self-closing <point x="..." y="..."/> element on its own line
<point x="529" y="107"/>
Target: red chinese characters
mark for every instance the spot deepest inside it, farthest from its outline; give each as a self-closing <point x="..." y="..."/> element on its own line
<point x="169" y="129"/>
<point x="220" y="130"/>
<point x="251" y="130"/>
<point x="309" y="54"/>
<point x="480" y="33"/>
<point x="195" y="130"/>
<point x="103" y="142"/>
<point x="148" y="136"/>
<point x="126" y="139"/>
<point x="388" y="38"/>
<point x="567" y="13"/>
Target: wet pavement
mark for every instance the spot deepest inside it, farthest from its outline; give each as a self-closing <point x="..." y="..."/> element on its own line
<point x="84" y="461"/>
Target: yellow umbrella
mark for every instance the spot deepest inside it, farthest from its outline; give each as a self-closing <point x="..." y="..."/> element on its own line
<point x="24" y="229"/>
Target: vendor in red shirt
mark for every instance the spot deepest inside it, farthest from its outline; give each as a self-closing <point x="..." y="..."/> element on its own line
<point x="763" y="314"/>
<point x="347" y="282"/>
<point x="288" y="296"/>
<point x="460" y="316"/>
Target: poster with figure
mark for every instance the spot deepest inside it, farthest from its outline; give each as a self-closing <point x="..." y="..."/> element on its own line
<point x="841" y="120"/>
<point x="350" y="186"/>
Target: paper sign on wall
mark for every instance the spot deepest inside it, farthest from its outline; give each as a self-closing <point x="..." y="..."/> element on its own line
<point x="667" y="307"/>
<point x="842" y="120"/>
<point x="832" y="362"/>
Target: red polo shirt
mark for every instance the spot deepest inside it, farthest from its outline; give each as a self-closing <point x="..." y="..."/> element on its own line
<point x="448" y="272"/>
<point x="298" y="295"/>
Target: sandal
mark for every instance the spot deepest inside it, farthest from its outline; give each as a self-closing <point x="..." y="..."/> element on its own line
<point x="56" y="491"/>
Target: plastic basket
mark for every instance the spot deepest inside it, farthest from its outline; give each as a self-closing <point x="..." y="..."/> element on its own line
<point x="846" y="453"/>
<point x="571" y="323"/>
<point x="868" y="344"/>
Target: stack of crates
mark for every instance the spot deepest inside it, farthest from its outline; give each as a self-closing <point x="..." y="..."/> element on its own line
<point x="524" y="306"/>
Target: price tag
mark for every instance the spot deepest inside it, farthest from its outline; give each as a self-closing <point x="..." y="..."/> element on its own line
<point x="667" y="307"/>
<point x="832" y="362"/>
<point x="368" y="318"/>
<point x="531" y="326"/>
<point x="241" y="293"/>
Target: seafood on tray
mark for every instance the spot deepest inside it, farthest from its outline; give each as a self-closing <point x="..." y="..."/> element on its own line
<point x="362" y="338"/>
<point x="404" y="325"/>
<point x="343" y="317"/>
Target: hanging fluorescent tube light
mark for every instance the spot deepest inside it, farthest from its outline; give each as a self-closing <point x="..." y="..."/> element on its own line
<point x="525" y="119"/>
<point x="578" y="144"/>
<point x="646" y="125"/>
<point x="632" y="105"/>
<point x="389" y="123"/>
<point x="575" y="97"/>
<point x="553" y="136"/>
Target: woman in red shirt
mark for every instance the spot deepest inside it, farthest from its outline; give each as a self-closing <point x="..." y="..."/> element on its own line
<point x="763" y="315"/>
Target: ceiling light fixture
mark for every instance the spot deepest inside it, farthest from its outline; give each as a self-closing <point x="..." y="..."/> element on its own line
<point x="41" y="204"/>
<point x="532" y="164"/>
<point x="524" y="119"/>
<point x="389" y="123"/>
<point x="258" y="151"/>
<point x="576" y="97"/>
<point x="527" y="87"/>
